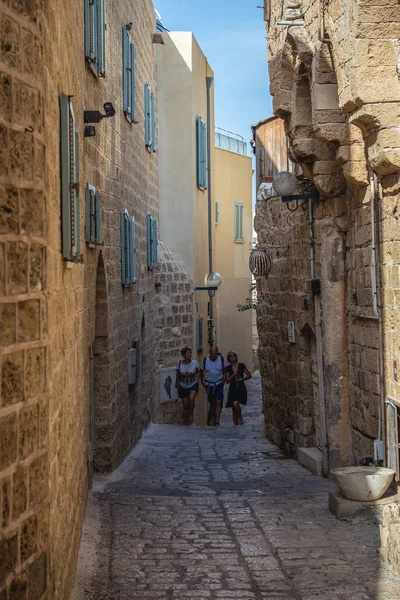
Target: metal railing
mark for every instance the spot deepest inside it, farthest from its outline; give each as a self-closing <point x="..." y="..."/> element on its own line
<point x="230" y="141"/>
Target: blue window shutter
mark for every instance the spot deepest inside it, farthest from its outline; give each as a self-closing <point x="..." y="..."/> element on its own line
<point x="125" y="70"/>
<point x="132" y="251"/>
<point x="149" y="241"/>
<point x="65" y="177"/>
<point x="101" y="38"/>
<point x="199" y="150"/>
<point x="124" y="247"/>
<point x="204" y="155"/>
<point x="199" y="331"/>
<point x="89" y="201"/>
<point x="147" y="115"/>
<point x="88" y="20"/>
<point x="132" y="80"/>
<point x="97" y="218"/>
<point x="153" y="123"/>
<point x="155" y="243"/>
<point x="75" y="218"/>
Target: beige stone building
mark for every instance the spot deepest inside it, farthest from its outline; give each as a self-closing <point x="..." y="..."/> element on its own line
<point x="83" y="327"/>
<point x="331" y="381"/>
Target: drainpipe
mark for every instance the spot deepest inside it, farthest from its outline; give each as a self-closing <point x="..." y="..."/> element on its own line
<point x="377" y="312"/>
<point x="318" y="341"/>
<point x="209" y="82"/>
<point x="321" y="24"/>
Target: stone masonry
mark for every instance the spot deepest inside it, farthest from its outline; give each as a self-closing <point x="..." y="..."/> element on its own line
<point x="66" y="326"/>
<point x="24" y="408"/>
<point x="334" y="81"/>
<point x="219" y="513"/>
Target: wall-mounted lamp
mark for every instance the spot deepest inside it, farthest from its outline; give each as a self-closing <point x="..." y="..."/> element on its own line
<point x="286" y="183"/>
<point x="95" y="116"/>
<point x="212" y="282"/>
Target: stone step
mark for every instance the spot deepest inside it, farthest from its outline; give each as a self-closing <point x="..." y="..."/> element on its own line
<point x="311" y="459"/>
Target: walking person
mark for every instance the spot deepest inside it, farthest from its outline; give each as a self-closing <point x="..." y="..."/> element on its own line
<point x="212" y="378"/>
<point x="187" y="373"/>
<point x="236" y="374"/>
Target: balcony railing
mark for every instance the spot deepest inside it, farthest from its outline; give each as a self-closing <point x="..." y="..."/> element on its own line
<point x="230" y="141"/>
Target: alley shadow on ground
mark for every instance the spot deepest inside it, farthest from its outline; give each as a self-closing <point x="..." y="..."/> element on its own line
<point x="220" y="513"/>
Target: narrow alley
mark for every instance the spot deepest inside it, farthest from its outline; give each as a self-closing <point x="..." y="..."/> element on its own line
<point x="221" y="513"/>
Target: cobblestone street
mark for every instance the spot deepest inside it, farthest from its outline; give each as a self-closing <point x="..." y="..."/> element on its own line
<point x="219" y="513"/>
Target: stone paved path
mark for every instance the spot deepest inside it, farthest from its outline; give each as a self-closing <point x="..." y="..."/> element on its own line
<point x="219" y="513"/>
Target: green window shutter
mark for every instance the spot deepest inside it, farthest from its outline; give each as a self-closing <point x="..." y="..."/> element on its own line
<point x="128" y="74"/>
<point x="199" y="150"/>
<point x="204" y="155"/>
<point x="199" y="334"/>
<point x="97" y="218"/>
<point x="238" y="222"/>
<point x="154" y="243"/>
<point x="69" y="156"/>
<point x="153" y="123"/>
<point x="147" y="115"/>
<point x="149" y="241"/>
<point x="101" y="37"/>
<point x="90" y="215"/>
<point x="125" y="268"/>
<point x="216" y="212"/>
<point x="132" y="251"/>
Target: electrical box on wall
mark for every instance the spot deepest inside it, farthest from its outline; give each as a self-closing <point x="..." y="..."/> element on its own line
<point x="132" y="366"/>
<point x="291" y="335"/>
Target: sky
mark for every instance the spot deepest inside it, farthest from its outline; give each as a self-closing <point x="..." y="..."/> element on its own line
<point x="231" y="34"/>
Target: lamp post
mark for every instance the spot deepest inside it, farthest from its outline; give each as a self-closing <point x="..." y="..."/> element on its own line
<point x="212" y="281"/>
<point x="286" y="183"/>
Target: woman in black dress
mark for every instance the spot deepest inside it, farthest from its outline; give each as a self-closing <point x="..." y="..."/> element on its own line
<point x="236" y="374"/>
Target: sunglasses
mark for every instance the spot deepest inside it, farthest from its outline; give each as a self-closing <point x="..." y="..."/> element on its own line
<point x="230" y="355"/>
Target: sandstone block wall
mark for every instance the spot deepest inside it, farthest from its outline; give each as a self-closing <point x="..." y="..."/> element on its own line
<point x="24" y="409"/>
<point x="339" y="98"/>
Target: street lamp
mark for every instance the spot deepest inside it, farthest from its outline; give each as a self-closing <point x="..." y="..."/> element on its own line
<point x="212" y="282"/>
<point x="286" y="183"/>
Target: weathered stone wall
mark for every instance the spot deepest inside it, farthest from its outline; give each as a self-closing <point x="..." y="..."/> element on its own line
<point x="56" y="315"/>
<point x="24" y="431"/>
<point x="339" y="99"/>
<point x="174" y="314"/>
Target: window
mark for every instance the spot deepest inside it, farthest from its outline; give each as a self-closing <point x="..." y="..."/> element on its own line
<point x="149" y="119"/>
<point x="92" y="216"/>
<point x="128" y="73"/>
<point x="95" y="35"/>
<point x="152" y="242"/>
<point x="128" y="249"/>
<point x="238" y="222"/>
<point x="69" y="155"/>
<point x="199" y="334"/>
<point x="201" y="137"/>
<point x="216" y="212"/>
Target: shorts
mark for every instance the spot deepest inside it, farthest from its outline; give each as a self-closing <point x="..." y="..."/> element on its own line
<point x="184" y="392"/>
<point x="215" y="392"/>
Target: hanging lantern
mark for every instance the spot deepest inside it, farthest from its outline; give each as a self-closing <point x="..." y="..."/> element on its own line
<point x="259" y="262"/>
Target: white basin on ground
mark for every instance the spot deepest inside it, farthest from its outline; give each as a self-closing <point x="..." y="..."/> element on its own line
<point x="362" y="484"/>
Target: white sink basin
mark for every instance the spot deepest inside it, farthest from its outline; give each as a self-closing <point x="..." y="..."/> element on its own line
<point x="362" y="484"/>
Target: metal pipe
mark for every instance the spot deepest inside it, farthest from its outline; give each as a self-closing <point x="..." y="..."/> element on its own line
<point x="209" y="82"/>
<point x="375" y="301"/>
<point x="318" y="343"/>
<point x="321" y="24"/>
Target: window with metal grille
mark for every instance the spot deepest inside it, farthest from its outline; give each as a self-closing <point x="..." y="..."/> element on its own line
<point x="128" y="73"/>
<point x="128" y="249"/>
<point x="70" y="206"/>
<point x="201" y="138"/>
<point x="238" y="222"/>
<point x="149" y="119"/>
<point x="92" y="216"/>
<point x="95" y="36"/>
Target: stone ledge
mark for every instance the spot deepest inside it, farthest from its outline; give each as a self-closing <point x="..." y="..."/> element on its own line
<point x="311" y="459"/>
<point x="341" y="507"/>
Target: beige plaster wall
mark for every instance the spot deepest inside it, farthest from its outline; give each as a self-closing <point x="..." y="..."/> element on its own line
<point x="233" y="179"/>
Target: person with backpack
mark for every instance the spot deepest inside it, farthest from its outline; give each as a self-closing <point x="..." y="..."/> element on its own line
<point x="212" y="379"/>
<point x="187" y="372"/>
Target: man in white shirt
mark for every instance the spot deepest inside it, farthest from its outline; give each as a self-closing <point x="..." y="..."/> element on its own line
<point x="212" y="378"/>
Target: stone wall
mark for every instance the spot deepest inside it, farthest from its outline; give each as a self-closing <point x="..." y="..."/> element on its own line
<point x="65" y="400"/>
<point x="174" y="314"/>
<point x="24" y="430"/>
<point x="337" y="90"/>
